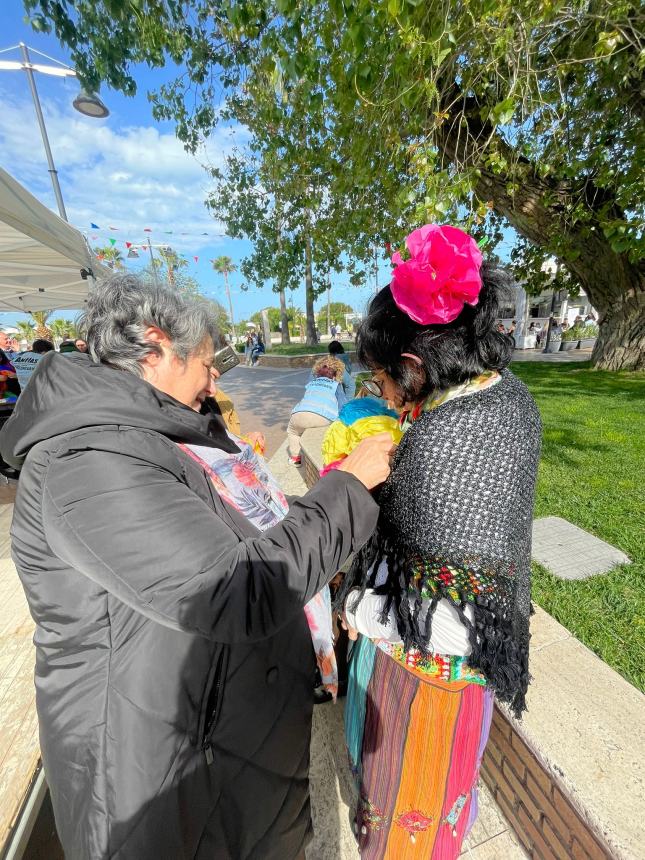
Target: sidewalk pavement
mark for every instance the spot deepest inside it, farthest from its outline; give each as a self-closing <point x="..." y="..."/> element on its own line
<point x="333" y="792"/>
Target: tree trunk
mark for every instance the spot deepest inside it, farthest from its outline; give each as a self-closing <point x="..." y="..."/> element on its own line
<point x="615" y="285"/>
<point x="284" y="318"/>
<point x="312" y="340"/>
<point x="621" y="343"/>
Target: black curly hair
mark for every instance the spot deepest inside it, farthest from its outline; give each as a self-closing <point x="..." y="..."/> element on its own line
<point x="450" y="353"/>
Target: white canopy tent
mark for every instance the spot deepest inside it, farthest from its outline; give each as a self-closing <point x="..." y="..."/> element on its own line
<point x="45" y="263"/>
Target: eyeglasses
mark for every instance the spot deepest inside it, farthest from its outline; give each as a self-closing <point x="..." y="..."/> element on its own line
<point x="372" y="387"/>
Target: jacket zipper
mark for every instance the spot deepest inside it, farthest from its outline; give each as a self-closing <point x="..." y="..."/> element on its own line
<point x="212" y="707"/>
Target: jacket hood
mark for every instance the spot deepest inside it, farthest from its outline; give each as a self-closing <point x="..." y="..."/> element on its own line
<point x="70" y="392"/>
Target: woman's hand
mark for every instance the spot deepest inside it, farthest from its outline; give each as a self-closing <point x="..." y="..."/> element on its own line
<point x="352" y="633"/>
<point x="370" y="460"/>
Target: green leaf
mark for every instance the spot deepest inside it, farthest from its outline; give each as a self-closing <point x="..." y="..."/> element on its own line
<point x="503" y="112"/>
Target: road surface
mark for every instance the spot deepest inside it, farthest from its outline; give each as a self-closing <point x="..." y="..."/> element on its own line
<point x="264" y="398"/>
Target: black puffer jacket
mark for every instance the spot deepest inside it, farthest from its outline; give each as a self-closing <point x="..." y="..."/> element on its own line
<point x="174" y="663"/>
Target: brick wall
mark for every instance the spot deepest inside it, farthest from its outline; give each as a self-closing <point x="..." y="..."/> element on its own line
<point x="310" y="470"/>
<point x="533" y="801"/>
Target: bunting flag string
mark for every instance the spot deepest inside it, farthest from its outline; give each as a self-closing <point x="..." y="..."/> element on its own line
<point x="95" y="227"/>
<point x="136" y="249"/>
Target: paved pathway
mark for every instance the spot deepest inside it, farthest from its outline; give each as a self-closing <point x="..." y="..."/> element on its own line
<point x="264" y="397"/>
<point x="570" y="552"/>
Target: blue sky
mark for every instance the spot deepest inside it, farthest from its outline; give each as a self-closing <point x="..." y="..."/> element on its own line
<point x="128" y="170"/>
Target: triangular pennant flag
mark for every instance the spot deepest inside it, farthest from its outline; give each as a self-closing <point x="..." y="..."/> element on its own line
<point x="168" y="233"/>
<point x="195" y="259"/>
<point x="204" y="234"/>
<point x="101" y="256"/>
<point x="132" y="254"/>
<point x="147" y="230"/>
<point x="95" y="226"/>
<point x="113" y="228"/>
<point x="128" y="244"/>
<point x="113" y="242"/>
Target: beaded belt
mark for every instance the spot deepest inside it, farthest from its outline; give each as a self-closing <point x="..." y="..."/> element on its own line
<point x="439" y="667"/>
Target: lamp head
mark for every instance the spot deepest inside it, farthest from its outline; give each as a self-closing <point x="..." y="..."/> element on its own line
<point x="91" y="105"/>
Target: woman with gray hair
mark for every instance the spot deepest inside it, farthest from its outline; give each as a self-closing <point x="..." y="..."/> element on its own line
<point x="173" y="660"/>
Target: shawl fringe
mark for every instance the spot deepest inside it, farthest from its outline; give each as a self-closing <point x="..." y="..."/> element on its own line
<point x="499" y="650"/>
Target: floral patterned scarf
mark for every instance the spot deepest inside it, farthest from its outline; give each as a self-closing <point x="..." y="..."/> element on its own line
<point x="245" y="483"/>
<point x="438" y="398"/>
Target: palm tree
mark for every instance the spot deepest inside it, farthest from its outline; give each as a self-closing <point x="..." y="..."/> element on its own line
<point x="59" y="329"/>
<point x="224" y="265"/>
<point x="112" y="256"/>
<point x="42" y="329"/>
<point x="25" y="330"/>
<point x="173" y="263"/>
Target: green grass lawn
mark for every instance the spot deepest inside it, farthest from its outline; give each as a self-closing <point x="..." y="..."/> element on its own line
<point x="303" y="349"/>
<point x="592" y="473"/>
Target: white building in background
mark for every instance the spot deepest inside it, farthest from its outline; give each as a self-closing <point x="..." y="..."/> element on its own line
<point x="524" y="310"/>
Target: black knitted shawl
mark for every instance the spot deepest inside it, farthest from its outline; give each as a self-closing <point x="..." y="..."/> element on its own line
<point x="455" y="522"/>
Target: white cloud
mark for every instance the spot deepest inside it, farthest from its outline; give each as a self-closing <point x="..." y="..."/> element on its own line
<point x="130" y="177"/>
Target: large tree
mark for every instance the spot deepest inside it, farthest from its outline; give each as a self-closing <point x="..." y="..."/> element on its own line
<point x="432" y="110"/>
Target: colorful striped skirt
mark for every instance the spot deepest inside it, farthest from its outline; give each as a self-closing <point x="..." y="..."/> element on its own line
<point x="415" y="744"/>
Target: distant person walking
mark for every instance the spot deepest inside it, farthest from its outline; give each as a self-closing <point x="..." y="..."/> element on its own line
<point x="257" y="349"/>
<point x="251" y="341"/>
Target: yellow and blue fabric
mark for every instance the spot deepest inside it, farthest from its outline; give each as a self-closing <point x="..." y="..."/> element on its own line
<point x="358" y="419"/>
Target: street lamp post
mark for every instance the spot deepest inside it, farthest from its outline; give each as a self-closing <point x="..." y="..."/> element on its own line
<point x="43" y="130"/>
<point x="86" y="103"/>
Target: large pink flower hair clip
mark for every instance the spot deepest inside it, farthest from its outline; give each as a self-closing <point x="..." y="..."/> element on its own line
<point x="441" y="275"/>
